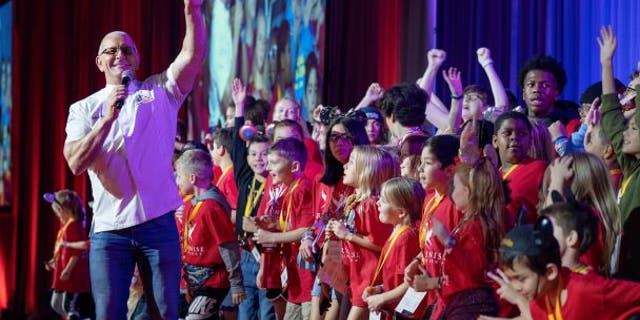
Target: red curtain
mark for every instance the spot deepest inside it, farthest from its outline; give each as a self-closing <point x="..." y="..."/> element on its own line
<point x="55" y="44"/>
<point x="364" y="42"/>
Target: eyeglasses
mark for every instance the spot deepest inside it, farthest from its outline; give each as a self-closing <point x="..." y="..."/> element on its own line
<point x="123" y="50"/>
<point x="335" y="137"/>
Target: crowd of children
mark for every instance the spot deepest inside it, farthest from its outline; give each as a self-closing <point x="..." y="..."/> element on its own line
<point x="491" y="211"/>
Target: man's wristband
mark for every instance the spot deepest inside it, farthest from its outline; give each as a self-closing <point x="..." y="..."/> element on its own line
<point x="457" y="96"/>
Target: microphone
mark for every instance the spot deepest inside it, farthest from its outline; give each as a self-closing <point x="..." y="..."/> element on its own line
<point x="127" y="75"/>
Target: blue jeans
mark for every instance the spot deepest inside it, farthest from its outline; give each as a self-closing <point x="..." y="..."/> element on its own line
<point x="155" y="247"/>
<point x="256" y="305"/>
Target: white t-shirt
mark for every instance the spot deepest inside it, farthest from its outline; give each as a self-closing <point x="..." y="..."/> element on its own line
<point x="132" y="178"/>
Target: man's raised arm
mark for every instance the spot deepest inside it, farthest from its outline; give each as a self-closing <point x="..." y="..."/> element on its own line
<point x="189" y="60"/>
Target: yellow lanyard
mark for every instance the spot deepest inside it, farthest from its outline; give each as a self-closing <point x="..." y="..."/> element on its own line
<point x="581" y="269"/>
<point x="58" y="244"/>
<point x="187" y="224"/>
<point x="224" y="173"/>
<point x="557" y="315"/>
<point x="625" y="184"/>
<point x="252" y="200"/>
<point x="384" y="257"/>
<point x="282" y="221"/>
<point x="427" y="212"/>
<point x="511" y="169"/>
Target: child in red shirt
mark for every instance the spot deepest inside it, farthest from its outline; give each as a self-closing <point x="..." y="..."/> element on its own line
<point x="437" y="166"/>
<point x="575" y="228"/>
<point x="70" y="263"/>
<point x="221" y="155"/>
<point x="533" y="279"/>
<point x="400" y="205"/>
<point x="290" y="129"/>
<point x="361" y="231"/>
<point x="471" y="246"/>
<point x="288" y="215"/>
<point x="330" y="195"/>
<point x="211" y="258"/>
<point x="587" y="177"/>
<point x="522" y="174"/>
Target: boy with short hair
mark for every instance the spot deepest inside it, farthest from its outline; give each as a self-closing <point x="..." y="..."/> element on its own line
<point x="288" y="215"/>
<point x="403" y="106"/>
<point x="290" y="129"/>
<point x="575" y="228"/>
<point x="534" y="280"/>
<point x="211" y="259"/>
<point x="220" y="150"/>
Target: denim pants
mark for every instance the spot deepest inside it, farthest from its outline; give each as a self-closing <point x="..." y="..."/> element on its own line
<point x="155" y="247"/>
<point x="256" y="305"/>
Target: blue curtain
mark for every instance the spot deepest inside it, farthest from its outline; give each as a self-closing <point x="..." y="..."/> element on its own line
<point x="515" y="30"/>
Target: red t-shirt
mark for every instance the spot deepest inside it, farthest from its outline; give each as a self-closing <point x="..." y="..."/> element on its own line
<point x="313" y="170"/>
<point x="300" y="280"/>
<point x="466" y="264"/>
<point x="616" y="179"/>
<point x="404" y="250"/>
<point x="79" y="279"/>
<point x="205" y="230"/>
<point x="594" y="256"/>
<point x="432" y="251"/>
<point x="592" y="297"/>
<point x="313" y="151"/>
<point x="524" y="183"/>
<point x="446" y="212"/>
<point x="329" y="202"/>
<point x="227" y="185"/>
<point x="360" y="262"/>
<point x="298" y="197"/>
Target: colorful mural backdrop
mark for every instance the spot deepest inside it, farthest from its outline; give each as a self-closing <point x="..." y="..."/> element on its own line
<point x="275" y="46"/>
<point x="5" y="103"/>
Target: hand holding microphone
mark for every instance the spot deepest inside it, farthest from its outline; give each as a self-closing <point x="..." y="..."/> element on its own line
<point x="117" y="96"/>
<point x="127" y="75"/>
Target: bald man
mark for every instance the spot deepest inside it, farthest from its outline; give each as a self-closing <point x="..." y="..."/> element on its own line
<point x="123" y="137"/>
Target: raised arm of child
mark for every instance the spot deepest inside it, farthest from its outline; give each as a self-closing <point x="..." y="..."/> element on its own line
<point x="241" y="168"/>
<point x="453" y="80"/>
<point x="373" y="94"/>
<point x="435" y="111"/>
<point x="613" y="120"/>
<point x="560" y="174"/>
<point x="500" y="98"/>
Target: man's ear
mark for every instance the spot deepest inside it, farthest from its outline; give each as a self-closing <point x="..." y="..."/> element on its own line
<point x="192" y="178"/>
<point x="99" y="63"/>
<point x="495" y="141"/>
<point x="552" y="272"/>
